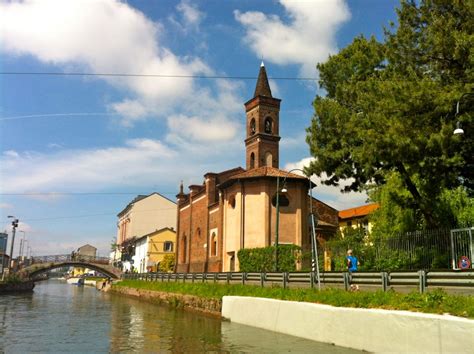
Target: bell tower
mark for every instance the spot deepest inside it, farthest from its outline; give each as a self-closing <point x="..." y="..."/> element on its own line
<point x="263" y="121"/>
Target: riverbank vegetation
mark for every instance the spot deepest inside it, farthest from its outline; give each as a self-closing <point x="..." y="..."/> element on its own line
<point x="436" y="301"/>
<point x="12" y="279"/>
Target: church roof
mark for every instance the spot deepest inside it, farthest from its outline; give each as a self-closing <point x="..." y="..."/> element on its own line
<point x="266" y="171"/>
<point x="263" y="87"/>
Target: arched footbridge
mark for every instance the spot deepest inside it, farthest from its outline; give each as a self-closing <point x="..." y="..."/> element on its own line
<point x="46" y="263"/>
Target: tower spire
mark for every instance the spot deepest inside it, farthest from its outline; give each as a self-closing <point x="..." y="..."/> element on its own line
<point x="262" y="88"/>
<point x="263" y="123"/>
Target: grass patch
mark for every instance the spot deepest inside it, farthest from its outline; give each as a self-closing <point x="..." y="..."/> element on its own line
<point x="436" y="301"/>
<point x="95" y="278"/>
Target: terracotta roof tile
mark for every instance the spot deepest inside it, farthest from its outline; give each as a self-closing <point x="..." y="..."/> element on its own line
<point x="266" y="172"/>
<point x="358" y="211"/>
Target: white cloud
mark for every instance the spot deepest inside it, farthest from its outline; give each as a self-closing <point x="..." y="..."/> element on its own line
<point x="306" y="39"/>
<point x="83" y="168"/>
<point x="5" y="206"/>
<point x="191" y="15"/>
<point x="10" y="153"/>
<point x="330" y="194"/>
<point x="23" y="226"/>
<point x="202" y="130"/>
<point x="140" y="163"/>
<point x="131" y="110"/>
<point x="109" y="36"/>
<point x="54" y="146"/>
<point x="209" y="116"/>
<point x="289" y="142"/>
<point x="275" y="88"/>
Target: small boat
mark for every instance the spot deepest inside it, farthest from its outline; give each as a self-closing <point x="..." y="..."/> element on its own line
<point x="75" y="281"/>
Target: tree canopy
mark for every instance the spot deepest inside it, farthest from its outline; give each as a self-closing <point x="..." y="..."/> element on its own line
<point x="389" y="107"/>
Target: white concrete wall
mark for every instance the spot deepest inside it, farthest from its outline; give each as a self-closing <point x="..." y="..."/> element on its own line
<point x="364" y="329"/>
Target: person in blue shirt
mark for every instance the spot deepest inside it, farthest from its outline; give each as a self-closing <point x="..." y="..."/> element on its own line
<point x="352" y="262"/>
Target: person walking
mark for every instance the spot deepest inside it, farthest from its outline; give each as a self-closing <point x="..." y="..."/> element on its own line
<point x="352" y="266"/>
<point x="352" y="262"/>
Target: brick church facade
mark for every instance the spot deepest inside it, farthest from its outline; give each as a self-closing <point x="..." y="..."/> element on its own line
<point x="235" y="209"/>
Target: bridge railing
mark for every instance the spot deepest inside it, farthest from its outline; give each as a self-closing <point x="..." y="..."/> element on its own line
<point x="383" y="280"/>
<point x="60" y="258"/>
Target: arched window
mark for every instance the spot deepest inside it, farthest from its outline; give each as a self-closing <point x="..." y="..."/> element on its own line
<point x="252" y="160"/>
<point x="184" y="248"/>
<point x="268" y="125"/>
<point x="283" y="200"/>
<point x="213" y="244"/>
<point x="268" y="159"/>
<point x="252" y="127"/>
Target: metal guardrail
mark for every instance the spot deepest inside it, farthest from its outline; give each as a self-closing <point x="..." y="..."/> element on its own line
<point x="421" y="279"/>
<point x="60" y="258"/>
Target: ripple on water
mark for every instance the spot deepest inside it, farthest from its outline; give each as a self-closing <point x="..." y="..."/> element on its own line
<point x="58" y="317"/>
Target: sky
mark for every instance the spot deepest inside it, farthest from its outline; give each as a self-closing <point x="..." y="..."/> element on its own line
<point x="76" y="149"/>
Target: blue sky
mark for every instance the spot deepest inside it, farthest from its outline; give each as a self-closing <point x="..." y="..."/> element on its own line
<point x="74" y="150"/>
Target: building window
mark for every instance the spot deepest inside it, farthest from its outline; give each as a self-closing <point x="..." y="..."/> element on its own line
<point x="168" y="246"/>
<point x="252" y="127"/>
<point x="283" y="200"/>
<point x="213" y="244"/>
<point x="268" y="125"/>
<point x="252" y="160"/>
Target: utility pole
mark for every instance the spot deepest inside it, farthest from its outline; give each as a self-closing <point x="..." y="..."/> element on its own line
<point x="14" y="226"/>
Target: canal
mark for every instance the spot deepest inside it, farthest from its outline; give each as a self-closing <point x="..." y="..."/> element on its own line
<point x="58" y="317"/>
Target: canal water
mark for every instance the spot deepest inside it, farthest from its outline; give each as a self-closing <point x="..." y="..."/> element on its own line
<point x="58" y="317"/>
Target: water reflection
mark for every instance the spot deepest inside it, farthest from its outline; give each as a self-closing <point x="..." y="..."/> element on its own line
<point x="62" y="318"/>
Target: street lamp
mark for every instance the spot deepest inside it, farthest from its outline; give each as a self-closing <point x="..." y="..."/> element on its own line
<point x="459" y="130"/>
<point x="314" y="247"/>
<point x="14" y="226"/>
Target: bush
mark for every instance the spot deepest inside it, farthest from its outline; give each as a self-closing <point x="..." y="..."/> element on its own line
<point x="263" y="259"/>
<point x="167" y="264"/>
<point x="13" y="278"/>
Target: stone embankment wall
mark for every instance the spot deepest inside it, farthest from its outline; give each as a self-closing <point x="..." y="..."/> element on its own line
<point x="373" y="330"/>
<point x="189" y="302"/>
<point x="16" y="287"/>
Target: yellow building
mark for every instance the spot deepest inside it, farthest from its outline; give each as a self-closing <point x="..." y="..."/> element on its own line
<point x="151" y="249"/>
<point x="142" y="216"/>
<point x="357" y="217"/>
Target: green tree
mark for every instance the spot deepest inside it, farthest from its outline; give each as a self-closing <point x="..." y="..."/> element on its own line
<point x="389" y="108"/>
<point x="113" y="245"/>
<point x="167" y="264"/>
<point x="391" y="218"/>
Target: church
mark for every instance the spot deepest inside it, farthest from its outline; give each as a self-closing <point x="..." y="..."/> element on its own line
<point x="236" y="208"/>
